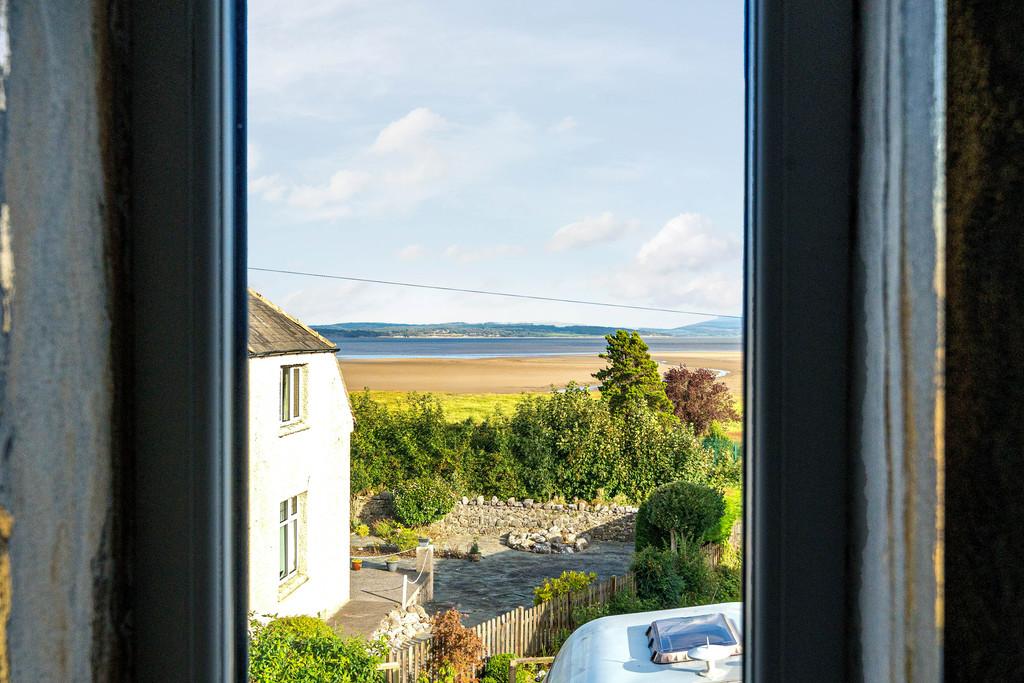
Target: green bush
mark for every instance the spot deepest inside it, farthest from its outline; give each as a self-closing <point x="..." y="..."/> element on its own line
<point x="405" y="539"/>
<point x="670" y="579"/>
<point x="565" y="444"/>
<point x="654" y="571"/>
<point x="569" y="582"/>
<point x="306" y="650"/>
<point x="623" y="602"/>
<point x="496" y="670"/>
<point x="733" y="511"/>
<point x="423" y="500"/>
<point x="383" y="528"/>
<point x="693" y="511"/>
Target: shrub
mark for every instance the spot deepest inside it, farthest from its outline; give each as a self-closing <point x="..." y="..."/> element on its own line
<point x="383" y="528"/>
<point x="569" y="582"/>
<point x="361" y="530"/>
<point x="623" y="602"/>
<point x="423" y="500"/>
<point x="733" y="511"/>
<point x="306" y="650"/>
<point x="670" y="579"/>
<point x="455" y="650"/>
<point x="405" y="539"/>
<point x="699" y="397"/>
<point x="654" y="571"/>
<point x="496" y="670"/>
<point x="692" y="510"/>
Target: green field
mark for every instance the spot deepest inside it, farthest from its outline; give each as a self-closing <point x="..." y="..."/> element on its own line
<point x="459" y="407"/>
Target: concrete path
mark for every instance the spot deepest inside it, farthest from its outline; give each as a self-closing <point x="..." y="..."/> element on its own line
<point x="504" y="579"/>
<point x="375" y="591"/>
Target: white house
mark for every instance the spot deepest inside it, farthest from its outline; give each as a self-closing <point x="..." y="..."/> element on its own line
<point x="300" y="424"/>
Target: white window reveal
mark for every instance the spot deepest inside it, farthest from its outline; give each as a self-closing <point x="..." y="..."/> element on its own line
<point x="292" y="377"/>
<point x="289" y="534"/>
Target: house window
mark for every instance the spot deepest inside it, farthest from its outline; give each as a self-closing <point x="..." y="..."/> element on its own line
<point x="289" y="538"/>
<point x="292" y="407"/>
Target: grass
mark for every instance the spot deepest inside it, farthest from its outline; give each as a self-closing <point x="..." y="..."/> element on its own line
<point x="459" y="407"/>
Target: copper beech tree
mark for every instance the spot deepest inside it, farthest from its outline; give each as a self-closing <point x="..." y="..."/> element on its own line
<point x="699" y="398"/>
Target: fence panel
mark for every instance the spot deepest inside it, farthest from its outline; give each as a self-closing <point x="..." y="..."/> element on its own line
<point x="524" y="631"/>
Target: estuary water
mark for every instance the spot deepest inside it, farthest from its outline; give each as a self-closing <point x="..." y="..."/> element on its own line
<point x="504" y="347"/>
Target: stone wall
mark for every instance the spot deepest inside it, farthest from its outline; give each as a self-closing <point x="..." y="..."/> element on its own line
<point x="481" y="516"/>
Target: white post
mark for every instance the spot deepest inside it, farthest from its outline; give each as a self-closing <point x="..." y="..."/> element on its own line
<point x="405" y="591"/>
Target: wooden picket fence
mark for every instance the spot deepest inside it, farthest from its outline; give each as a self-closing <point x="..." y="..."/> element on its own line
<point x="523" y="631"/>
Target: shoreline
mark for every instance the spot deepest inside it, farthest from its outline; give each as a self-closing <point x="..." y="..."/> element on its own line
<point x="513" y="374"/>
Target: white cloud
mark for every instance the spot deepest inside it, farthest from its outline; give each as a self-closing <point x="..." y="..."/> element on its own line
<point x="589" y="230"/>
<point x="688" y="263"/>
<point x="687" y="240"/>
<point x="408" y="131"/>
<point x="411" y="160"/>
<point x="269" y="188"/>
<point x="463" y="254"/>
<point x="566" y="125"/>
<point x="412" y="252"/>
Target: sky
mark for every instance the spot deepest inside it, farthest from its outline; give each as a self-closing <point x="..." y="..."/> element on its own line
<point x="586" y="150"/>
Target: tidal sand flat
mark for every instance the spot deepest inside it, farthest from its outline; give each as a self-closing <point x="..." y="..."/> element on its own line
<point x="512" y="375"/>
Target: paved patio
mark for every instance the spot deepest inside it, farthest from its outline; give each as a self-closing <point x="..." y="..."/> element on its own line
<point x="504" y="578"/>
<point x="375" y="592"/>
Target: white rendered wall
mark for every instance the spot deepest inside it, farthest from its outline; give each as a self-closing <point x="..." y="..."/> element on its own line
<point x="284" y="463"/>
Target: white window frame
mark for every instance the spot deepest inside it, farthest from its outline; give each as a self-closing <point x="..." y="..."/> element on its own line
<point x="292" y="396"/>
<point x="289" y="528"/>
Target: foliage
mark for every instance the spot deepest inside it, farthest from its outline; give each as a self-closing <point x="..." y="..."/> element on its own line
<point x="454" y="648"/>
<point x="623" y="602"/>
<point x="678" y="579"/>
<point x="423" y="500"/>
<point x="306" y="650"/>
<point x="693" y="511"/>
<point x="631" y="372"/>
<point x="383" y="528"/>
<point x="699" y="397"/>
<point x="404" y="539"/>
<point x="719" y="471"/>
<point x="569" y="582"/>
<point x="458" y="408"/>
<point x="361" y="529"/>
<point x="728" y="575"/>
<point x="733" y="512"/>
<point x="496" y="670"/>
<point x="475" y="548"/>
<point x="564" y="444"/>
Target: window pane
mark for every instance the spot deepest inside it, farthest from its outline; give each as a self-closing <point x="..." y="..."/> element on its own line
<point x="283" y="543"/>
<point x="296" y="392"/>
<point x="284" y="510"/>
<point x="284" y="394"/>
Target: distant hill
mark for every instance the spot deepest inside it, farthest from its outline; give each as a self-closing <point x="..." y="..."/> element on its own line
<point x="717" y="327"/>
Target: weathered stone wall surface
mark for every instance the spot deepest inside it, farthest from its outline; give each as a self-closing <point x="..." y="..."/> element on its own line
<point x="481" y="516"/>
<point x="59" y="271"/>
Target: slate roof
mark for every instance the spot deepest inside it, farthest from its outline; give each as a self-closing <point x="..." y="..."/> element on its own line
<point x="272" y="332"/>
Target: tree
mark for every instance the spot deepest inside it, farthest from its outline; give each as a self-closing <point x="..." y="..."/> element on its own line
<point x="698" y="397"/>
<point x="631" y="372"/>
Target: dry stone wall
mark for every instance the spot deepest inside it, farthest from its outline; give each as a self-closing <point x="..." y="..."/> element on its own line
<point x="480" y="516"/>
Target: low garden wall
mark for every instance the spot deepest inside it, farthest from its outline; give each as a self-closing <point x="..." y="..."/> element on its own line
<point x="481" y="516"/>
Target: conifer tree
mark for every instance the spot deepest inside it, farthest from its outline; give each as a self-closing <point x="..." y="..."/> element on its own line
<point x="631" y="372"/>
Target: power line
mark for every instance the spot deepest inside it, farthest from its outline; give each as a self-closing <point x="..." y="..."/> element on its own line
<point x="492" y="293"/>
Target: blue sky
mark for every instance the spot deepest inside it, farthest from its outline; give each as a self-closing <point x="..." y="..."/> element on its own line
<point x="587" y="150"/>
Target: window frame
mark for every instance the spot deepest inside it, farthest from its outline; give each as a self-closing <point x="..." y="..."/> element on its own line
<point x="292" y="401"/>
<point x="187" y="496"/>
<point x="290" y="527"/>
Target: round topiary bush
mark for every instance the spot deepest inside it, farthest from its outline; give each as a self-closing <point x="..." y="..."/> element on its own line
<point x="423" y="500"/>
<point x="303" y="649"/>
<point x="693" y="511"/>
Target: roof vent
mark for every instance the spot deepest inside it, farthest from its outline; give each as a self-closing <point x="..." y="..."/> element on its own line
<point x="671" y="639"/>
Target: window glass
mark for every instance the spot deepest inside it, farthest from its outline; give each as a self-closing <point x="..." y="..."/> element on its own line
<point x="507" y="238"/>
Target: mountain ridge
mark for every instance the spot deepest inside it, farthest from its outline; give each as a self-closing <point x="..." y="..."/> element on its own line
<point x="717" y="327"/>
